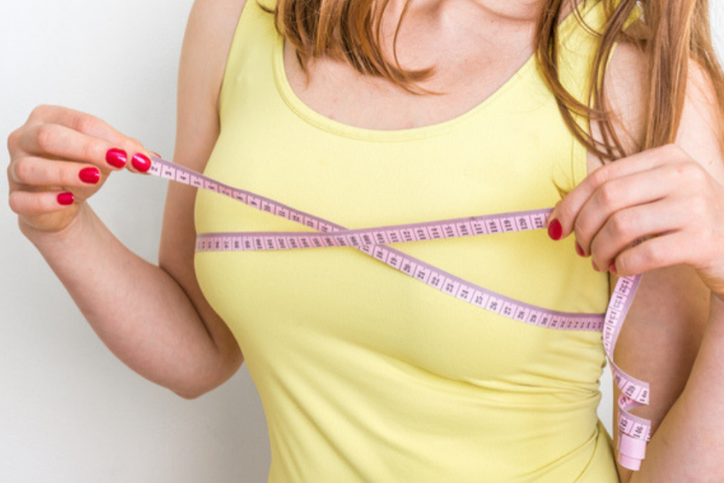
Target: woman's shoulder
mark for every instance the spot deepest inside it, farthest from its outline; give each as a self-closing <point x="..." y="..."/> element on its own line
<point x="625" y="84"/>
<point x="208" y="39"/>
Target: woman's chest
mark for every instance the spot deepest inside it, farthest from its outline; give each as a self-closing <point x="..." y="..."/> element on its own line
<point x="277" y="300"/>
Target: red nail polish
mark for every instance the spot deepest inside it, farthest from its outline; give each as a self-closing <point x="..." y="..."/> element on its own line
<point x="555" y="230"/>
<point x="140" y="162"/>
<point x="116" y="157"/>
<point x="65" y="198"/>
<point x="612" y="267"/>
<point x="90" y="175"/>
<point x="579" y="250"/>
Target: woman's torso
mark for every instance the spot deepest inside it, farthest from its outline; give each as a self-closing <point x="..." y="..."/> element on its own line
<point x="364" y="373"/>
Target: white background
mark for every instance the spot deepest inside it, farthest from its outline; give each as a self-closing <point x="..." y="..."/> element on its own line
<point x="70" y="412"/>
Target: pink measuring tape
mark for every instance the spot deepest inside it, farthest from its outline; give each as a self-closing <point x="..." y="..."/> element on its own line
<point x="634" y="431"/>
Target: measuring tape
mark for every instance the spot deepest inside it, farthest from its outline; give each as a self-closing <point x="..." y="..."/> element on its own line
<point x="634" y="431"/>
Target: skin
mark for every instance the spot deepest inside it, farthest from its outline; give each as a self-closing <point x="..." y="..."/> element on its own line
<point x="674" y="334"/>
<point x="186" y="346"/>
<point x="162" y="327"/>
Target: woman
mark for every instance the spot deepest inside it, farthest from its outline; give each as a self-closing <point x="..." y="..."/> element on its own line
<point x="364" y="374"/>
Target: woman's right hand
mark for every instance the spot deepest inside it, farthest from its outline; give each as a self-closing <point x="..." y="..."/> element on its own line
<point x="61" y="157"/>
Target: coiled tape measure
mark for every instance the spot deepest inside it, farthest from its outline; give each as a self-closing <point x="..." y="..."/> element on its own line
<point x="634" y="431"/>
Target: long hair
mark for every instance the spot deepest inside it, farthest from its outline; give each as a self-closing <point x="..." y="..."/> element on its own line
<point x="669" y="33"/>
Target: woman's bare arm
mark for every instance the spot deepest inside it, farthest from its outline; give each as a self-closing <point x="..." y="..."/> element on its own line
<point x="674" y="338"/>
<point x="670" y="316"/>
<point x="152" y="318"/>
<point x="206" y="46"/>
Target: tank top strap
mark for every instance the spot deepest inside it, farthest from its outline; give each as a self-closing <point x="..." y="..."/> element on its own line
<point x="249" y="62"/>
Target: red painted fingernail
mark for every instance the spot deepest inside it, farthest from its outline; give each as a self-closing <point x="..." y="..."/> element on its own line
<point x="141" y="162"/>
<point x="65" y="198"/>
<point x="579" y="250"/>
<point x="157" y="155"/>
<point x="612" y="267"/>
<point x="116" y="157"/>
<point x="89" y="175"/>
<point x="594" y="266"/>
<point x="555" y="230"/>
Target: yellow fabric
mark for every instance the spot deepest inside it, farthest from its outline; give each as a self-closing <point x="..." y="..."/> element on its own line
<point x="365" y="374"/>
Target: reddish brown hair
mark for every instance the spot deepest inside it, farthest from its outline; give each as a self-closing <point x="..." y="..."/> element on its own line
<point x="670" y="33"/>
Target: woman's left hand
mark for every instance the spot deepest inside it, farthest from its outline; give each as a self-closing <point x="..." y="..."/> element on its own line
<point x="661" y="192"/>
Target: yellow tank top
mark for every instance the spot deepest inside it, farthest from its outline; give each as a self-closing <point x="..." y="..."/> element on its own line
<point x="365" y="374"/>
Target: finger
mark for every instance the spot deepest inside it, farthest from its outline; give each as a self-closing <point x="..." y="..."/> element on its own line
<point x="661" y="251"/>
<point x="63" y="142"/>
<point x="625" y="226"/>
<point x="140" y="162"/>
<point x="78" y="121"/>
<point x="92" y="126"/>
<point x="620" y="193"/>
<point x="33" y="203"/>
<point x="566" y="210"/>
<point x="34" y="171"/>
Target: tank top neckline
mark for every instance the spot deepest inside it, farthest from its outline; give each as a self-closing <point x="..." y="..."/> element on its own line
<point x="322" y="122"/>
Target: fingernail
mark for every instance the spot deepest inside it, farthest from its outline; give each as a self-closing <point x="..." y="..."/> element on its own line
<point x="555" y="230"/>
<point x="156" y="154"/>
<point x="65" y="198"/>
<point x="141" y="162"/>
<point x="90" y="175"/>
<point x="594" y="266"/>
<point x="612" y="267"/>
<point x="116" y="157"/>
